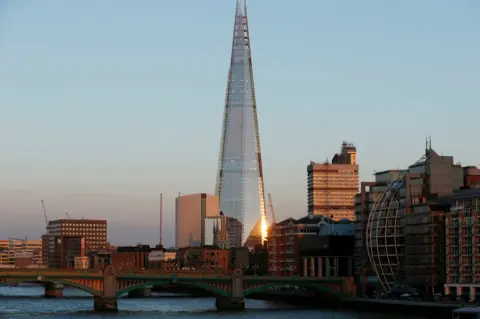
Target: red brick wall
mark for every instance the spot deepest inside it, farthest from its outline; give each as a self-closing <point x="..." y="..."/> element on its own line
<point x="129" y="260"/>
<point x="221" y="256"/>
<point x="472" y="180"/>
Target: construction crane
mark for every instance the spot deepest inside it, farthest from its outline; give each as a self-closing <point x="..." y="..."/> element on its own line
<point x="45" y="213"/>
<point x="68" y="216"/>
<point x="23" y="240"/>
<point x="272" y="210"/>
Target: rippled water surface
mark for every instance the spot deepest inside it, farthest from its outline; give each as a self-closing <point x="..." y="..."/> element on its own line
<point x="27" y="302"/>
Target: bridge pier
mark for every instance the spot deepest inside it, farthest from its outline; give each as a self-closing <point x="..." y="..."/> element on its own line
<point x="53" y="290"/>
<point x="108" y="301"/>
<point x="236" y="301"/>
<point x="230" y="304"/>
<point x="105" y="304"/>
<point x="140" y="293"/>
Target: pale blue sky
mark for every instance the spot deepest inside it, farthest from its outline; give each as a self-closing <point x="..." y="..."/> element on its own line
<point x="105" y="104"/>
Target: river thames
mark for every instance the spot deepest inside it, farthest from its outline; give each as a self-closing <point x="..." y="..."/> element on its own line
<point x="28" y="302"/>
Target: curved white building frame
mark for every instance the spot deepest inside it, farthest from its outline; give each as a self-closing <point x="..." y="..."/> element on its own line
<point x="385" y="231"/>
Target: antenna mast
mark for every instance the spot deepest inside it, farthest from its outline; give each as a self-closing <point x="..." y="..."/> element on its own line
<point x="161" y="219"/>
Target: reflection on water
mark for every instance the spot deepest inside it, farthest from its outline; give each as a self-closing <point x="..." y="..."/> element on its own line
<point x="28" y="302"/>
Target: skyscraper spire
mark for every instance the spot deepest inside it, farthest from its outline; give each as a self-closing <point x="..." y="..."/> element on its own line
<point x="238" y="11"/>
<point x="240" y="173"/>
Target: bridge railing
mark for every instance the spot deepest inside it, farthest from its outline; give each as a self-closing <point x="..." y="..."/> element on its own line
<point x="119" y="272"/>
<point x="184" y="274"/>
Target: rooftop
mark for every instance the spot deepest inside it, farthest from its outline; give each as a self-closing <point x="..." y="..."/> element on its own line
<point x="78" y="221"/>
<point x="311" y="220"/>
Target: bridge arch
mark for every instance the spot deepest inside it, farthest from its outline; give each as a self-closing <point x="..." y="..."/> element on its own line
<point x="215" y="291"/>
<point x="310" y="287"/>
<point x="67" y="283"/>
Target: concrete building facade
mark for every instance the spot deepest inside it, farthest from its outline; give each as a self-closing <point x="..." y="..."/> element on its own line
<point x="195" y="217"/>
<point x="331" y="187"/>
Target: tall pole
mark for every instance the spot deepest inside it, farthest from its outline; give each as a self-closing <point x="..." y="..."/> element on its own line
<point x="432" y="229"/>
<point x="161" y="219"/>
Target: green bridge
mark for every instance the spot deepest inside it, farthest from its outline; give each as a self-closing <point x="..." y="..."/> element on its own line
<point x="110" y="284"/>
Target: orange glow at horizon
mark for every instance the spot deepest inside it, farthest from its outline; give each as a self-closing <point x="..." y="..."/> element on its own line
<point x="264" y="227"/>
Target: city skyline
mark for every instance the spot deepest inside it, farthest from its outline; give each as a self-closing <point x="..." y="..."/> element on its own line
<point x="94" y="111"/>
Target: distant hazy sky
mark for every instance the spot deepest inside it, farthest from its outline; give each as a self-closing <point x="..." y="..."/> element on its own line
<point x="105" y="104"/>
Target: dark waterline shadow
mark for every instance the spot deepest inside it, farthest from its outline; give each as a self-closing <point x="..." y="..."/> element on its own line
<point x="123" y="313"/>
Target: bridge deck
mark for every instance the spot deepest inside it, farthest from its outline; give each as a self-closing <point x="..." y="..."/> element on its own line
<point x="155" y="275"/>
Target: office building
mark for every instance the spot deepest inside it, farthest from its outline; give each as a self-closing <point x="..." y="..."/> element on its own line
<point x="427" y="185"/>
<point x="405" y="240"/>
<point x="240" y="173"/>
<point x="235" y="230"/>
<point x="195" y="218"/>
<point x="45" y="245"/>
<point x="70" y="238"/>
<point x="331" y="187"/>
<point x="20" y="252"/>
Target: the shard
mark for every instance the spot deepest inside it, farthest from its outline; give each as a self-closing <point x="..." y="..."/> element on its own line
<point x="240" y="175"/>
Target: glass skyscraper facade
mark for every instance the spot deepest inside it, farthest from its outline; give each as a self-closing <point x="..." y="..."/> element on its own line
<point x="240" y="176"/>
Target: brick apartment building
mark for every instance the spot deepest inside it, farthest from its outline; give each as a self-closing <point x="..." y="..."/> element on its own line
<point x="206" y="257"/>
<point x="463" y="244"/>
<point x="298" y="247"/>
<point x="471" y="177"/>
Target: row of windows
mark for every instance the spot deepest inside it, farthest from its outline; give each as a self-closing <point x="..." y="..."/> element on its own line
<point x="96" y="237"/>
<point x="85" y="233"/>
<point x="74" y="225"/>
<point x="322" y="197"/>
<point x="468" y="221"/>
<point x="336" y="172"/>
<point x="321" y="179"/>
